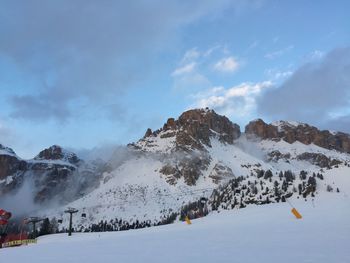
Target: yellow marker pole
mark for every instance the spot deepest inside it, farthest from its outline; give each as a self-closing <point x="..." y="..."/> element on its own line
<point x="188" y="221"/>
<point x="296" y="213"/>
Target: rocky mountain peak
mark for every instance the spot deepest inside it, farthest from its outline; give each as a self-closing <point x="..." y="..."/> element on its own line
<point x="294" y="131"/>
<point x="261" y="129"/>
<point x="56" y="152"/>
<point x="183" y="143"/>
<point x="6" y="150"/>
<point x="201" y="124"/>
<point x="194" y="128"/>
<point x="9" y="162"/>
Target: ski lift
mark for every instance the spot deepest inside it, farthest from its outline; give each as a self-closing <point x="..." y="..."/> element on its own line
<point x="83" y="215"/>
<point x="203" y="200"/>
<point x="4" y="217"/>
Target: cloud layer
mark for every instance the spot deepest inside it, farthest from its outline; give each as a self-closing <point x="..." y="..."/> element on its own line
<point x="86" y="50"/>
<point x="229" y="64"/>
<point x="318" y="93"/>
<point x="236" y="102"/>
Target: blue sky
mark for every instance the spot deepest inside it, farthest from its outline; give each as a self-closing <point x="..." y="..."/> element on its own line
<point x="85" y="74"/>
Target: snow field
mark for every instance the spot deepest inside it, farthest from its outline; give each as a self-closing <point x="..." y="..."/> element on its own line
<point x="267" y="233"/>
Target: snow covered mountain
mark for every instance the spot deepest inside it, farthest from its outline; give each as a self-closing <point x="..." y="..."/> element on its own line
<point x="201" y="163"/>
<point x="54" y="174"/>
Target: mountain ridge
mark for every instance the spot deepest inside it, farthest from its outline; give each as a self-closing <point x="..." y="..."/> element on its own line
<point x="199" y="153"/>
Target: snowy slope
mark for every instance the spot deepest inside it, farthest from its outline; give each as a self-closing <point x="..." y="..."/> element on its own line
<point x="7" y="151"/>
<point x="255" y="234"/>
<point x="247" y="184"/>
<point x="136" y="190"/>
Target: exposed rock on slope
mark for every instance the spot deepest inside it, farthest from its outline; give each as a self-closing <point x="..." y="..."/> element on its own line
<point x="304" y="133"/>
<point x="10" y="163"/>
<point x="318" y="159"/>
<point x="182" y="143"/>
<point x="54" y="173"/>
<point x="262" y="130"/>
<point x="193" y="130"/>
<point x="55" y="152"/>
<point x="203" y="124"/>
<point x="184" y="160"/>
<point x="221" y="171"/>
<point x="277" y="155"/>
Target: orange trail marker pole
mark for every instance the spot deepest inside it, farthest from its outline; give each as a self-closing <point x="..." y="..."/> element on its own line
<point x="296" y="213"/>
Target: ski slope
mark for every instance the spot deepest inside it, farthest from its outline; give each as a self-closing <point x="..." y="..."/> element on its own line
<point x="137" y="190"/>
<point x="266" y="233"/>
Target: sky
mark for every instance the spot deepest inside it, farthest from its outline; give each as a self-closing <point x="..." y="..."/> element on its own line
<point x="86" y="74"/>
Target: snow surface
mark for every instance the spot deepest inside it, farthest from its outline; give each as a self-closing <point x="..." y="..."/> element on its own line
<point x="164" y="142"/>
<point x="289" y="123"/>
<point x="7" y="151"/>
<point x="267" y="233"/>
<point x="136" y="190"/>
<point x="51" y="163"/>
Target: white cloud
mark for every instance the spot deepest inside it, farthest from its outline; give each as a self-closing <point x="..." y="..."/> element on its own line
<point x="237" y="101"/>
<point x="317" y="93"/>
<point x="188" y="68"/>
<point x="191" y="72"/>
<point x="7" y="135"/>
<point x="276" y="74"/>
<point x="278" y="53"/>
<point x="187" y="75"/>
<point x="191" y="55"/>
<point x="228" y="64"/>
<point x="209" y="51"/>
<point x="315" y="55"/>
<point x="191" y="82"/>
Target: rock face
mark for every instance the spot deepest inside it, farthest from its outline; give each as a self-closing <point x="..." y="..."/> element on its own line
<point x="304" y="133"/>
<point x="183" y="147"/>
<point x="189" y="167"/>
<point x="261" y="129"/>
<point x="220" y="172"/>
<point x="277" y="155"/>
<point x="318" y="159"/>
<point x="53" y="174"/>
<point x="55" y="152"/>
<point x="194" y="128"/>
<point x="148" y="133"/>
<point x="188" y="137"/>
<point x="10" y="163"/>
<point x="202" y="124"/>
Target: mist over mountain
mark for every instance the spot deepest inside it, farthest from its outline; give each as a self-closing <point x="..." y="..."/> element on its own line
<point x="201" y="154"/>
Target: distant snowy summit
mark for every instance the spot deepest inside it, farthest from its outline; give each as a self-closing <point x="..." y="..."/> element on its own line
<point x="199" y="149"/>
<point x="192" y="130"/>
<point x="57" y="153"/>
<point x="183" y="143"/>
<point x="295" y="131"/>
<point x="51" y="174"/>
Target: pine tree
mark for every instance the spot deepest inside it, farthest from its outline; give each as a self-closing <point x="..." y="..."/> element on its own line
<point x="268" y="174"/>
<point x="45" y="227"/>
